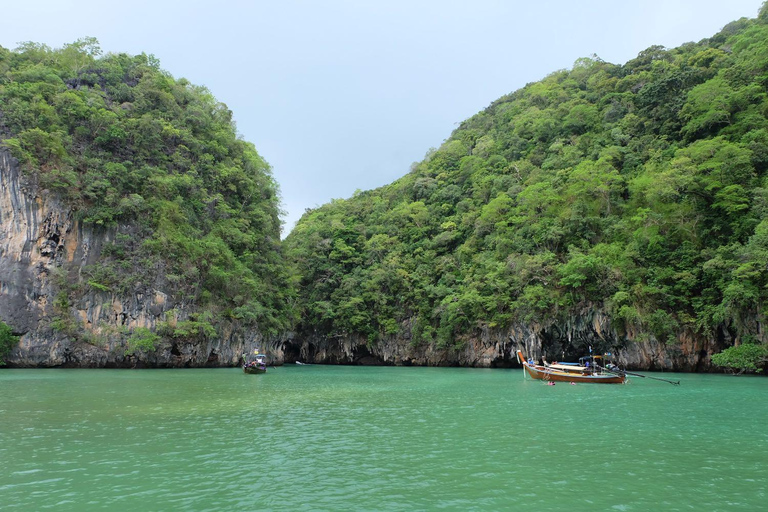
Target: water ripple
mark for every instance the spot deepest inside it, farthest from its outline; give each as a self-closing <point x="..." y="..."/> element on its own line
<point x="343" y="438"/>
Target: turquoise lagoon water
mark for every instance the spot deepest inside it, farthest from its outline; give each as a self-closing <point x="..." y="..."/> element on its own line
<point x="378" y="438"/>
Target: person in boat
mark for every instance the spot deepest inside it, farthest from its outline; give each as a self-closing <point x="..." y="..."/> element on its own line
<point x="250" y="364"/>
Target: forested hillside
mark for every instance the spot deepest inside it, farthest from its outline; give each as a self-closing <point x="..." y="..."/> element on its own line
<point x="189" y="210"/>
<point x="638" y="190"/>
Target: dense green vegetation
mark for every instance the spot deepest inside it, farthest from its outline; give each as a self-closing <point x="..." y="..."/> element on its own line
<point x="7" y="341"/>
<point x="156" y="161"/>
<point x="748" y="357"/>
<point x="638" y="190"/>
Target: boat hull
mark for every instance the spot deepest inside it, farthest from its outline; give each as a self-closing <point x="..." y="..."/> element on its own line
<point x="540" y="372"/>
<point x="254" y="370"/>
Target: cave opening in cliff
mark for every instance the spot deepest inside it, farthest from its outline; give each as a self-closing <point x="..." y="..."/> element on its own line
<point x="363" y="357"/>
<point x="291" y="352"/>
<point x="505" y="360"/>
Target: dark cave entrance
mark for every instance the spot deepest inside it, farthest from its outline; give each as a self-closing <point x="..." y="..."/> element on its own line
<point x="292" y="352"/>
<point x="363" y="357"/>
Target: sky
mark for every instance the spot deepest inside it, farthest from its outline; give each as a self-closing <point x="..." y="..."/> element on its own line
<point x="343" y="95"/>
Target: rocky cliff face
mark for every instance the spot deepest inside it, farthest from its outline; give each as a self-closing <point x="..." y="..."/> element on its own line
<point x="43" y="251"/>
<point x="565" y="341"/>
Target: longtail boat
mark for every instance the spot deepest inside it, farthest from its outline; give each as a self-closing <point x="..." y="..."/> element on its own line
<point x="587" y="371"/>
<point x="256" y="365"/>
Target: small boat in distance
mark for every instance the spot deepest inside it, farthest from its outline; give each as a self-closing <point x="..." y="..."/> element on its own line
<point x="588" y="370"/>
<point x="256" y="365"/>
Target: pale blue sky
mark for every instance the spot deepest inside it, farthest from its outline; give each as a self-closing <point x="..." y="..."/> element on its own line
<point x="345" y="95"/>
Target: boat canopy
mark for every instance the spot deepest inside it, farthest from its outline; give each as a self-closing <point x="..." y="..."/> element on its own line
<point x="567" y="367"/>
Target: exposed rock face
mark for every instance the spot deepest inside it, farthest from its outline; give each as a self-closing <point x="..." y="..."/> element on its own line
<point x="42" y="245"/>
<point x="497" y="348"/>
<point x="25" y="254"/>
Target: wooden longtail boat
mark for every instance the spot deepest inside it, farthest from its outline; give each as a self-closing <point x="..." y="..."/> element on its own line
<point x="559" y="372"/>
<point x="257" y="365"/>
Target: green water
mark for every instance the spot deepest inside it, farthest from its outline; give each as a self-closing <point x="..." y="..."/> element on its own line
<point x="369" y="438"/>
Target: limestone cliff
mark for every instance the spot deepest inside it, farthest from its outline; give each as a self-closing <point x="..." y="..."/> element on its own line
<point x="43" y="251"/>
<point x="497" y="348"/>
